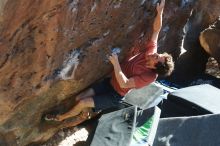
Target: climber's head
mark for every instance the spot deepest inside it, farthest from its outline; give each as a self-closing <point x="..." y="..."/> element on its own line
<point x="161" y="63"/>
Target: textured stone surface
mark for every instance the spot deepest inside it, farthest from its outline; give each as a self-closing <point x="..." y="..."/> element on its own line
<point x="42" y="42"/>
<point x="209" y="40"/>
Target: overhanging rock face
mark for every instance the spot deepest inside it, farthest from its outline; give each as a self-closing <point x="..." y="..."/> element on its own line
<point x="52" y="50"/>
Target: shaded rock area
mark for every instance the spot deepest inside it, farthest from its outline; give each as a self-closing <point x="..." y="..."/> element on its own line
<point x="193" y="58"/>
<point x="52" y="50"/>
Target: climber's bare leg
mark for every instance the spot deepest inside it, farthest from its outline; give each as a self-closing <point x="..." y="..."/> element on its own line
<point x="81" y="105"/>
<point x="83" y="102"/>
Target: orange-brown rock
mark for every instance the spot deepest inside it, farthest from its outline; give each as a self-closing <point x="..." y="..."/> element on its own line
<point x="50" y="50"/>
<point x="209" y="40"/>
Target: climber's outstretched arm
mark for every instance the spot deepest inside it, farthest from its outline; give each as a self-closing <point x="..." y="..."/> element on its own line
<point x="158" y="21"/>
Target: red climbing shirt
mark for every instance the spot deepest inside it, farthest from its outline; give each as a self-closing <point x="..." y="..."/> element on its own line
<point x="135" y="67"/>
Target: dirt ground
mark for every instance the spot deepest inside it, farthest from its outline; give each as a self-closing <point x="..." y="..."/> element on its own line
<point x="80" y="135"/>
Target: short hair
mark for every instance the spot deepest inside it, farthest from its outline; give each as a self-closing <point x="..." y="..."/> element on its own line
<point x="165" y="68"/>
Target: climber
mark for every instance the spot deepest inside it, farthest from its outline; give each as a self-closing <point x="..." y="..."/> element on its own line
<point x="135" y="72"/>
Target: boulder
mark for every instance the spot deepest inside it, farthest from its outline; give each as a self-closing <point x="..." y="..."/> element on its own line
<point x="52" y="50"/>
<point x="192" y="60"/>
<point x="209" y="40"/>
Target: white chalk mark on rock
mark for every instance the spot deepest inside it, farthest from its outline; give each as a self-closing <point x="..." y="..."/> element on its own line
<point x="130" y="27"/>
<point x="118" y="5"/>
<point x="166" y="29"/>
<point x="142" y="2"/>
<point x="106" y="33"/>
<point x="116" y="50"/>
<point x="93" y="7"/>
<point x="70" y="65"/>
<point x="74" y="6"/>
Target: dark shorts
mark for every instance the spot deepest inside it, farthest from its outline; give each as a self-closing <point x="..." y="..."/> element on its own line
<point x="105" y="95"/>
